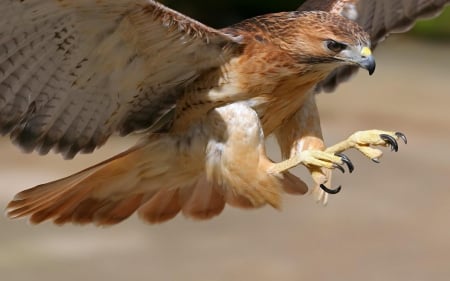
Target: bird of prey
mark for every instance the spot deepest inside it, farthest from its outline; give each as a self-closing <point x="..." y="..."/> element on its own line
<point x="74" y="72"/>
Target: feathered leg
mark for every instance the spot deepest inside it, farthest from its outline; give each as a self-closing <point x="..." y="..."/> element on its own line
<point x="301" y="142"/>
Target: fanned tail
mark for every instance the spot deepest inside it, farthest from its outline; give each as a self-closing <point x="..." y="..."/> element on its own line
<point x="147" y="179"/>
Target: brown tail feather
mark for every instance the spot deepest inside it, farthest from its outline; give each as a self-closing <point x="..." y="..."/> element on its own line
<point x="115" y="212"/>
<point x="73" y="199"/>
<point x="237" y="200"/>
<point x="293" y="185"/>
<point x="205" y="200"/>
<point x="161" y="207"/>
<point x="36" y="200"/>
<point x="149" y="179"/>
<point x="84" y="212"/>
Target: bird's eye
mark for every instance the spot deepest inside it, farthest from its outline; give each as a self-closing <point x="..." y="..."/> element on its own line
<point x="335" y="46"/>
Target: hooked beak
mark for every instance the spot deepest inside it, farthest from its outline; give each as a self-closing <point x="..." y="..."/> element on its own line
<point x="367" y="61"/>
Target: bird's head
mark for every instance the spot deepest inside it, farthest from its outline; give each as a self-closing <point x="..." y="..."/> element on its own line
<point x="327" y="41"/>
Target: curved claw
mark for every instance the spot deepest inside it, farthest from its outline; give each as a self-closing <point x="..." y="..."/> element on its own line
<point x="339" y="167"/>
<point x="390" y="141"/>
<point x="402" y="136"/>
<point x="330" y="191"/>
<point x="347" y="161"/>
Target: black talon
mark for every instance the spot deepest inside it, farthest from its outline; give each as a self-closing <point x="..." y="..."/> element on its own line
<point x="376" y="160"/>
<point x="347" y="161"/>
<point x="330" y="191"/>
<point x="402" y="136"/>
<point x="391" y="141"/>
<point x="339" y="167"/>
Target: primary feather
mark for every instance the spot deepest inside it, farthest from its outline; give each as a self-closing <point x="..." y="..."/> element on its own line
<point x="74" y="72"/>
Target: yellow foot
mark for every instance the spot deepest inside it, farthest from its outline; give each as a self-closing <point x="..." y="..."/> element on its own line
<point x="314" y="159"/>
<point x="320" y="163"/>
<point x="363" y="140"/>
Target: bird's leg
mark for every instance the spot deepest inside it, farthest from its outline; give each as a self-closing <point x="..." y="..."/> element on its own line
<point x="301" y="142"/>
<point x="313" y="157"/>
<point x="363" y="140"/>
<point x="320" y="164"/>
<point x="332" y="158"/>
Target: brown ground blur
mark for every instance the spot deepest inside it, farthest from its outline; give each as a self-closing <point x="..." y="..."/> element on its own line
<point x="390" y="222"/>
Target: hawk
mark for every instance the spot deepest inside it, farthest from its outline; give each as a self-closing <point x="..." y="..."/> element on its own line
<point x="74" y="72"/>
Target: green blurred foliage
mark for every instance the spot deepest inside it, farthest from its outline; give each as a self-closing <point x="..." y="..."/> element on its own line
<point x="438" y="28"/>
<point x="221" y="13"/>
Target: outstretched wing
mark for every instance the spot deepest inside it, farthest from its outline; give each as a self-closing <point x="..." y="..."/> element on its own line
<point x="73" y="72"/>
<point x="379" y="18"/>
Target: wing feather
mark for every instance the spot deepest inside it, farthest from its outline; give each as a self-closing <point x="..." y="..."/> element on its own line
<point x="379" y="18"/>
<point x="73" y="72"/>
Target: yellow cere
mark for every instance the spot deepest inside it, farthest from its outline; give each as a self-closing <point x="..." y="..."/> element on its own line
<point x="366" y="52"/>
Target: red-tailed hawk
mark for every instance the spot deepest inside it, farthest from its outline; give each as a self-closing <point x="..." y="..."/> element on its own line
<point x="73" y="72"/>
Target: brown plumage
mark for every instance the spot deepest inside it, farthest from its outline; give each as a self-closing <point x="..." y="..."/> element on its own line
<point x="74" y="72"/>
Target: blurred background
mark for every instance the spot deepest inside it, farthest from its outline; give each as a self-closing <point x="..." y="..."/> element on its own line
<point x="223" y="13"/>
<point x="390" y="222"/>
